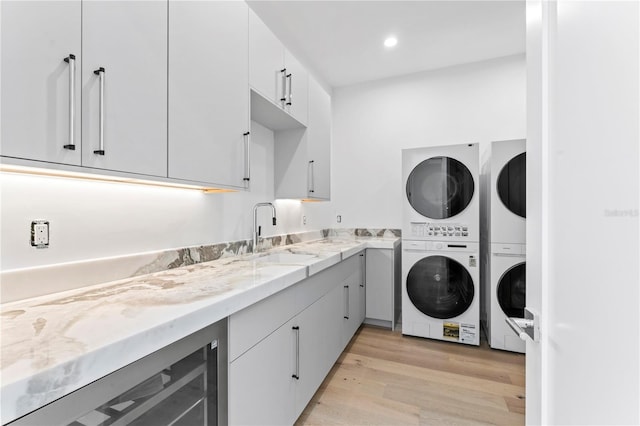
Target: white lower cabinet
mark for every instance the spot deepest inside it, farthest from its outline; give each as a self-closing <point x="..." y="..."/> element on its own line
<point x="272" y="382"/>
<point x="353" y="304"/>
<point x="382" y="282"/>
<point x="261" y="386"/>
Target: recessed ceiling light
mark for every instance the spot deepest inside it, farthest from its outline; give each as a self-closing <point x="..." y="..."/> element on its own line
<point x="390" y="41"/>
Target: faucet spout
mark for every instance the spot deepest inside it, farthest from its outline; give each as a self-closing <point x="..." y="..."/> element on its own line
<point x="256" y="228"/>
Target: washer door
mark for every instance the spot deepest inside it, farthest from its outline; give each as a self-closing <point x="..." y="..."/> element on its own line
<point x="512" y="290"/>
<point x="512" y="185"/>
<point x="440" y="187"/>
<point x="440" y="287"/>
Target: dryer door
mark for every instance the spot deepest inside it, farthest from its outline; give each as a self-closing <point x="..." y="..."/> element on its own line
<point x="512" y="290"/>
<point x="440" y="187"/>
<point x="512" y="185"/>
<point x="440" y="287"/>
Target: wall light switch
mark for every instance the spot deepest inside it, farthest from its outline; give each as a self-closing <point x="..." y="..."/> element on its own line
<point x="339" y="218"/>
<point x="40" y="234"/>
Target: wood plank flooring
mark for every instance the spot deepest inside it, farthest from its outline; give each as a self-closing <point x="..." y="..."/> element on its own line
<point x="384" y="378"/>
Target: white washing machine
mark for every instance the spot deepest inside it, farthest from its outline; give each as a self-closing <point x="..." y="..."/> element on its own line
<point x="503" y="242"/>
<point x="508" y="295"/>
<point x="440" y="290"/>
<point x="440" y="193"/>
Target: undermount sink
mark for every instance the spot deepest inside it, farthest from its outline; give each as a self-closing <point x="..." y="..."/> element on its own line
<point x="285" y="258"/>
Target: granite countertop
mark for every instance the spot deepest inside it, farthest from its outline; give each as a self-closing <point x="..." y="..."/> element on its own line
<point x="55" y="344"/>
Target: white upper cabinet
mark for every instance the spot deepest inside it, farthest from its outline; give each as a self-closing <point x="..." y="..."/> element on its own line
<point x="319" y="141"/>
<point x="208" y="91"/>
<point x="296" y="88"/>
<point x="274" y="73"/>
<point x="124" y="107"/>
<point x="266" y="64"/>
<point x="302" y="156"/>
<point x="36" y="95"/>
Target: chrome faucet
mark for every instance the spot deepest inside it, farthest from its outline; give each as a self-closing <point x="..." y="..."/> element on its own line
<point x="256" y="228"/>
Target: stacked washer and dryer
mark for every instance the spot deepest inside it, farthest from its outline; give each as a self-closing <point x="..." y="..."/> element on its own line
<point x="503" y="258"/>
<point x="440" y="243"/>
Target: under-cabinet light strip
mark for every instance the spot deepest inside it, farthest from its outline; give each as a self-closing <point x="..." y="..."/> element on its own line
<point x="34" y="171"/>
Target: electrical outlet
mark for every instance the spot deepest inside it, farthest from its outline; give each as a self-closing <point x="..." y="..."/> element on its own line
<point x="339" y="218"/>
<point x="40" y="234"/>
<point x="304" y="220"/>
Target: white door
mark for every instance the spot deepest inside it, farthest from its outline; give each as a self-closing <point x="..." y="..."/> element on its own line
<point x="582" y="211"/>
<point x="36" y="38"/>
<point x="208" y="91"/>
<point x="129" y="40"/>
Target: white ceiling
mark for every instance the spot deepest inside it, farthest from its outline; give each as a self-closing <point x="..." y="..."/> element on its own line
<point x="342" y="41"/>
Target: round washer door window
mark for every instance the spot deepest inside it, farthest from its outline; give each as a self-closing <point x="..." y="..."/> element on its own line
<point x="440" y="287"/>
<point x="512" y="291"/>
<point x="440" y="187"/>
<point x="512" y="185"/>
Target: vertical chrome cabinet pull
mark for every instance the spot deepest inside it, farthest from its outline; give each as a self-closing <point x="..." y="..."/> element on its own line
<point x="346" y="315"/>
<point x="100" y="73"/>
<point x="290" y="95"/>
<point x="247" y="158"/>
<point x="283" y="97"/>
<point x="312" y="181"/>
<point x="71" y="60"/>
<point x="364" y="270"/>
<point x="297" y="373"/>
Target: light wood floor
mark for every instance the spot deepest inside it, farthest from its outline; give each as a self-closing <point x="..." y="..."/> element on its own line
<point x="385" y="378"/>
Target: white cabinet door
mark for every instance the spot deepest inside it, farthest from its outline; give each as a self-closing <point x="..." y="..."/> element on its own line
<point x="380" y="282"/>
<point x="129" y="40"/>
<point x="334" y="323"/>
<point x="352" y="304"/>
<point x="266" y="61"/>
<point x="302" y="157"/>
<point x="208" y="94"/>
<point x="297" y="86"/>
<point x="313" y="352"/>
<point x="362" y="290"/>
<point x="36" y="37"/>
<point x="261" y="388"/>
<point x="319" y="141"/>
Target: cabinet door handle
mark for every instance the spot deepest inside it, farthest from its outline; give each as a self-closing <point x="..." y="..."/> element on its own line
<point x="247" y="157"/>
<point x="364" y="270"/>
<point x="312" y="181"/>
<point x="296" y="375"/>
<point x="346" y="315"/>
<point x="283" y="97"/>
<point x="100" y="73"/>
<point x="71" y="60"/>
<point x="290" y="95"/>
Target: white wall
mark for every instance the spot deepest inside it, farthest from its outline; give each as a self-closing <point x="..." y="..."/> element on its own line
<point x="373" y="122"/>
<point x="92" y="220"/>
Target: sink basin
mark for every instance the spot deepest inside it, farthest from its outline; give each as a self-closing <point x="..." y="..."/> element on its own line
<point x="285" y="258"/>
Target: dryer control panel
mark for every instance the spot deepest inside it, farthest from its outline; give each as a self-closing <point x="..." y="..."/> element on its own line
<point x="427" y="229"/>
